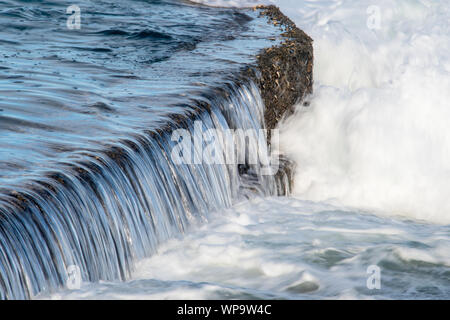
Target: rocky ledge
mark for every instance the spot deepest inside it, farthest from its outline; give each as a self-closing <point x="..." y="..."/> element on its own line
<point x="286" y="70"/>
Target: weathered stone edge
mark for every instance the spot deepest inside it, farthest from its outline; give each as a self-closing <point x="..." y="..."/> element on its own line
<point x="285" y="77"/>
<point x="285" y="71"/>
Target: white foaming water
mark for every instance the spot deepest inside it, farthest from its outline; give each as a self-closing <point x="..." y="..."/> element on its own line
<point x="285" y="248"/>
<point x="376" y="133"/>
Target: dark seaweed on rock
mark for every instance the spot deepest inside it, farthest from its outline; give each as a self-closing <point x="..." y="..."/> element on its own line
<point x="286" y="69"/>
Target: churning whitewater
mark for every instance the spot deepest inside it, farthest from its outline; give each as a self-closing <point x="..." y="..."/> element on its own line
<point x="375" y="135"/>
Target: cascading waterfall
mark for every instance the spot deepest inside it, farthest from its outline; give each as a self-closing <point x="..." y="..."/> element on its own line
<point x="112" y="208"/>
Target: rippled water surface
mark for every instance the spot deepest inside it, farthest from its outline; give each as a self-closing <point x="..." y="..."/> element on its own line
<point x="287" y="248"/>
<point x="63" y="91"/>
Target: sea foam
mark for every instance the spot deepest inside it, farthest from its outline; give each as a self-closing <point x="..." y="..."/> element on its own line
<point x="375" y="135"/>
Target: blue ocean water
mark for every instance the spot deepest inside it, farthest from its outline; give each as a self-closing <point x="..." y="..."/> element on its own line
<point x="66" y="90"/>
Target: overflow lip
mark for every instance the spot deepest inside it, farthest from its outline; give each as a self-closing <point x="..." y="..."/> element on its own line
<point x="282" y="72"/>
